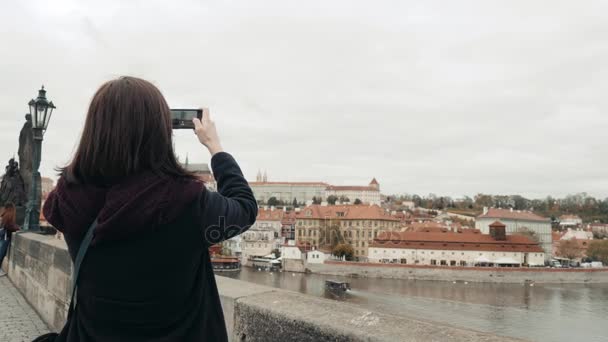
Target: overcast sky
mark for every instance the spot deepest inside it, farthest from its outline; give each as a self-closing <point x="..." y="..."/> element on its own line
<point x="445" y="97"/>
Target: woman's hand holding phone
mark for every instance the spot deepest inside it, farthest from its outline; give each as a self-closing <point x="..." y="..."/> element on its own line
<point x="206" y="133"/>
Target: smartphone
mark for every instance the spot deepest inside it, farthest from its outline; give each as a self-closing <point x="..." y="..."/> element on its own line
<point x="182" y="118"/>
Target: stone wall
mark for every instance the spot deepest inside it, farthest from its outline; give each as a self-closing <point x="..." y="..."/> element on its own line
<point x="472" y="274"/>
<point x="293" y="265"/>
<point x="40" y="267"/>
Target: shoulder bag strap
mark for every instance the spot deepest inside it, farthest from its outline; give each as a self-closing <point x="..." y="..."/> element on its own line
<point x="82" y="251"/>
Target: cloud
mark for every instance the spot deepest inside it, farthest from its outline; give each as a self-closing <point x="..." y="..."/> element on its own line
<point x="443" y="97"/>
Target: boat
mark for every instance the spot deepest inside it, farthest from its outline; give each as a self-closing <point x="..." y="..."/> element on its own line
<point x="225" y="263"/>
<point x="337" y="287"/>
<point x="266" y="264"/>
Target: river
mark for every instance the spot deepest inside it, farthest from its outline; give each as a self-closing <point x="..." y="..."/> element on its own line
<point x="551" y="312"/>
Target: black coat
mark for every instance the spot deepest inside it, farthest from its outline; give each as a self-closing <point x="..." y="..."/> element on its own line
<point x="153" y="283"/>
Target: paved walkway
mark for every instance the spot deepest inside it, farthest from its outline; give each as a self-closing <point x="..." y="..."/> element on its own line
<point x="18" y="321"/>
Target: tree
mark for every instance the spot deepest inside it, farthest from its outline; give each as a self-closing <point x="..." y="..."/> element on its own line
<point x="273" y="201"/>
<point x="569" y="249"/>
<point x="598" y="251"/>
<point x="330" y="234"/>
<point x="331" y="199"/>
<point x="529" y="233"/>
<point x="316" y="200"/>
<point x="276" y="252"/>
<point x="357" y="201"/>
<point x="344" y="199"/>
<point x="343" y="250"/>
<point x="295" y="203"/>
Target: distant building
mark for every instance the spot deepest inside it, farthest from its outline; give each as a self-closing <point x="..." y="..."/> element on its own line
<point x="356" y="225"/>
<point x="47" y="185"/>
<point x="466" y="248"/>
<point x="234" y="246"/>
<point x="518" y="221"/>
<point x="269" y="218"/>
<point x="288" y="226"/>
<point x="302" y="192"/>
<point x="570" y="221"/>
<point x="317" y="256"/>
<point x="410" y="205"/>
<point x="369" y="194"/>
<point x="578" y="234"/>
<point x="257" y="243"/>
<point x="599" y="228"/>
<point x="203" y="172"/>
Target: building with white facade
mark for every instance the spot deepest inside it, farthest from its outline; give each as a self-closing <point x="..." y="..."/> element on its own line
<point x="302" y="192"/>
<point x="599" y="228"/>
<point x="570" y="221"/>
<point x="202" y="172"/>
<point x="577" y="234"/>
<point x="257" y="243"/>
<point x="232" y="246"/>
<point x="517" y="221"/>
<point x="369" y="194"/>
<point x="466" y="248"/>
<point x="317" y="256"/>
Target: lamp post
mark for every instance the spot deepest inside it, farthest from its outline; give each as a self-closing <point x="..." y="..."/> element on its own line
<point x="40" y="111"/>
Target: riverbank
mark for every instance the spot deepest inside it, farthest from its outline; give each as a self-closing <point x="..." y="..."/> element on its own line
<point x="513" y="275"/>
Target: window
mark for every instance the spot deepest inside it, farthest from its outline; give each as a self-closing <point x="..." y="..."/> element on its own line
<point x="453" y="263"/>
<point x="444" y="263"/>
<point x="433" y="262"/>
<point x="463" y="263"/>
<point x="404" y="261"/>
<point x="432" y="252"/>
<point x="369" y="234"/>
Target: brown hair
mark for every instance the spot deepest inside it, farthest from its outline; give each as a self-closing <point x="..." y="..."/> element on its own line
<point x="127" y="130"/>
<point x="9" y="214"/>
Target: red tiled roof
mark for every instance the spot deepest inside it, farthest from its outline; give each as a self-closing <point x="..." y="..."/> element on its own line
<point x="374" y="181"/>
<point x="509" y="214"/>
<point x="270" y="215"/>
<point x="347" y="212"/>
<point x="455" y="241"/>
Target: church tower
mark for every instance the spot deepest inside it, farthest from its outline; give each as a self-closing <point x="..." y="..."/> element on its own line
<point x="374" y="184"/>
<point x="258" y="178"/>
<point x="265" y="179"/>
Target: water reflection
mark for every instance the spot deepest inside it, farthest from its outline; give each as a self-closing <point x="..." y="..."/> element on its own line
<point x="532" y="311"/>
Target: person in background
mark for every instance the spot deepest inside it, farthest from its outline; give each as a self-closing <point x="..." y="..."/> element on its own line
<point x="147" y="275"/>
<point x="7" y="228"/>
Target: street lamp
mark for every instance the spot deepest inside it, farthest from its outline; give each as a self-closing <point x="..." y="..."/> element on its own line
<point x="40" y="111"/>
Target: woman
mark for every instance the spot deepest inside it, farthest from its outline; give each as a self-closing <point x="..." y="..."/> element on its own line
<point x="147" y="275"/>
<point x="7" y="228"/>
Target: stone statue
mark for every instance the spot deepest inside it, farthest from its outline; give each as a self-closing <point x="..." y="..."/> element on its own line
<point x="26" y="157"/>
<point x="12" y="187"/>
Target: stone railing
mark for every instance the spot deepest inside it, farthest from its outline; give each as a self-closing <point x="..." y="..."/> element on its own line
<point x="40" y="267"/>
